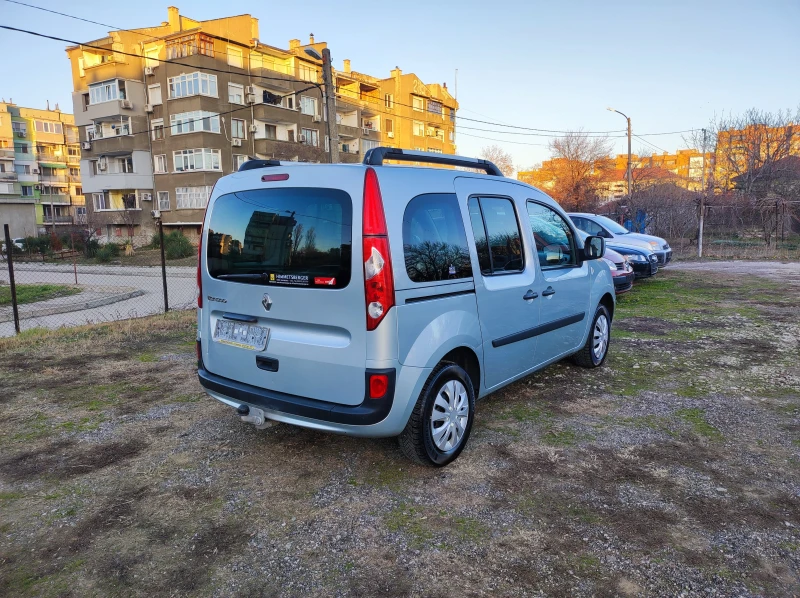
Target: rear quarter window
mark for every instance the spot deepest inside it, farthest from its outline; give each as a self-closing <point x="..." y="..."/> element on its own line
<point x="434" y="240"/>
<point x="298" y="237"/>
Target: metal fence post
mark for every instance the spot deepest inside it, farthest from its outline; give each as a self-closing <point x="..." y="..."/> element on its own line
<point x="163" y="264"/>
<point x="9" y="257"/>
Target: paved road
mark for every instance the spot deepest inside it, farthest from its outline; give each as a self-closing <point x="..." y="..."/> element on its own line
<point x="788" y="272"/>
<point x="181" y="287"/>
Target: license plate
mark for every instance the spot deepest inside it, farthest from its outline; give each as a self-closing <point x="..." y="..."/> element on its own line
<point x="238" y="334"/>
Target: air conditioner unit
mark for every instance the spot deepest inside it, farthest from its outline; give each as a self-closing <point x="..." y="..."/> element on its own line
<point x="155" y="213"/>
<point x="147" y="197"/>
<point x="149" y="70"/>
<point x="87" y="145"/>
<point x="127" y="104"/>
<point x="317" y="118"/>
<point x="20" y="133"/>
<point x="254" y="128"/>
<point x="35" y="170"/>
<point x="390" y="135"/>
<point x="302" y="138"/>
<point x="37" y="187"/>
<point x="250" y="98"/>
<point x="367" y="130"/>
<point x="148" y="107"/>
<point x="236" y="142"/>
<point x="250" y="89"/>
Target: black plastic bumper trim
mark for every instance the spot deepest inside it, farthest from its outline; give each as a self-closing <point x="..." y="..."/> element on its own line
<point x="439" y="296"/>
<point x="537" y="330"/>
<point x="370" y="411"/>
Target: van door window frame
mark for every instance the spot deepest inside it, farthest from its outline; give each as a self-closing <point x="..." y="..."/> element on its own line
<point x="576" y="263"/>
<point x="477" y="197"/>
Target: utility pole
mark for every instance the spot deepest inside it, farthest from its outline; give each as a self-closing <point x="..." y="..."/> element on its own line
<point x="330" y="102"/>
<point x="628" y="170"/>
<point x="702" y="201"/>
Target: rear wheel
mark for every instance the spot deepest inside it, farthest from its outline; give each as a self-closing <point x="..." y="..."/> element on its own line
<point x="594" y="352"/>
<point x="440" y="423"/>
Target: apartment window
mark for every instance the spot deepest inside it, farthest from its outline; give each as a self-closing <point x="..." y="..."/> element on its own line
<point x="27" y="190"/>
<point x="192" y="197"/>
<point x="157" y="128"/>
<point x="237" y="128"/>
<point x="309" y="137"/>
<point x="73" y="151"/>
<point x="388" y="100"/>
<point x="22" y="168"/>
<point x="419" y="128"/>
<point x="151" y="57"/>
<point x="308" y="73"/>
<point x="163" y="200"/>
<point x="192" y="84"/>
<point x="235" y="57"/>
<point x="79" y="191"/>
<point x="434" y="150"/>
<point x="235" y="93"/>
<point x="124" y="165"/>
<point x="270" y="132"/>
<point x="154" y="93"/>
<point x="44" y="126"/>
<point x="89" y="132"/>
<point x="452" y="115"/>
<point x="418" y="104"/>
<point x="288" y="102"/>
<point x="189" y="122"/>
<point x="160" y="163"/>
<point x="74" y="171"/>
<point x="196" y="159"/>
<point x="72" y="134"/>
<point x="368" y="144"/>
<point x="107" y="91"/>
<point x="256" y="61"/>
<point x="308" y="105"/>
<point x="99" y="201"/>
<point x="238" y="160"/>
<point x="434" y="107"/>
<point x="452" y="135"/>
<point x="388" y="126"/>
<point x="7" y="188"/>
<point x="188" y="45"/>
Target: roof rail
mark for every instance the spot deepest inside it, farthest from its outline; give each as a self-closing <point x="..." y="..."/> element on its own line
<point x="377" y="155"/>
<point x="257" y="163"/>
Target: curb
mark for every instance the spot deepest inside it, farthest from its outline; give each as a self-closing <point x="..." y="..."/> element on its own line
<point x="63" y="309"/>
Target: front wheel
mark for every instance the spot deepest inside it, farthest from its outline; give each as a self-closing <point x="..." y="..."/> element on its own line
<point x="595" y="351"/>
<point x="440" y="423"/>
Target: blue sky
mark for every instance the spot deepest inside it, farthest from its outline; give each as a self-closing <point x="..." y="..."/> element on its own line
<point x="549" y="65"/>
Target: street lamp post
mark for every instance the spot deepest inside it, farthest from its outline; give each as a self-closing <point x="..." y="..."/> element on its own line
<point x="330" y="102"/>
<point x="628" y="172"/>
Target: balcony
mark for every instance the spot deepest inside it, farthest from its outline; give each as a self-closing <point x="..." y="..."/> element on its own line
<point x="275" y="114"/>
<point x="54" y="198"/>
<point x="8" y="177"/>
<point x="6" y="153"/>
<point x="54" y="178"/>
<point x="48" y="219"/>
<point x="51" y="158"/>
<point x="348" y="132"/>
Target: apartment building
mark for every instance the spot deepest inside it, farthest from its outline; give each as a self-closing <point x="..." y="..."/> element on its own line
<point x="164" y="111"/>
<point x="740" y="150"/>
<point x="40" y="182"/>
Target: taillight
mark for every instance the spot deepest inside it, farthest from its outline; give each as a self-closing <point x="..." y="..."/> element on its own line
<point x="378" y="385"/>
<point x="378" y="277"/>
<point x="199" y="274"/>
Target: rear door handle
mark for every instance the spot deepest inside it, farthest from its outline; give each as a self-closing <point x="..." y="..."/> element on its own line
<point x="548" y="291"/>
<point x="530" y="295"/>
<point x="239" y="317"/>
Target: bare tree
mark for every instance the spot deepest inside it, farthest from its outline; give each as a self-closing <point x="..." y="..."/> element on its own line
<point x="501" y="158"/>
<point x="577" y="161"/>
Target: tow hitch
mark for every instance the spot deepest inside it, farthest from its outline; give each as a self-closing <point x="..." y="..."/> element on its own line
<point x="255" y="416"/>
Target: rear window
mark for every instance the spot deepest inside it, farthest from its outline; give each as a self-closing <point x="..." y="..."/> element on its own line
<point x="434" y="241"/>
<point x="282" y="237"/>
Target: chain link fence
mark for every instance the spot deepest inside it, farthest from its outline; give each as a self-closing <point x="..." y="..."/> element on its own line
<point x="64" y="279"/>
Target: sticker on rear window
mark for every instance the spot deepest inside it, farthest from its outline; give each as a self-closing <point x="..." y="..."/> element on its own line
<point x="325" y="280"/>
<point x="299" y="280"/>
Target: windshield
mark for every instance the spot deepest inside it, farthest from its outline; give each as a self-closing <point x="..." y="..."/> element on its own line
<point x="297" y="237"/>
<point x="611" y="225"/>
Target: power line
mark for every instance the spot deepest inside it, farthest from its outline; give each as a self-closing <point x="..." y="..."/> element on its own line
<point x="535" y="134"/>
<point x="653" y="145"/>
<point x="504" y="140"/>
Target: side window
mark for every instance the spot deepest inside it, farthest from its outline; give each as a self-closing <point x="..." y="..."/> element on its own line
<point x="497" y="236"/>
<point x="434" y="241"/>
<point x="591" y="228"/>
<point x="555" y="244"/>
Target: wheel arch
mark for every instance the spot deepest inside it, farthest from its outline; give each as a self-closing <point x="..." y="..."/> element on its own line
<point x="468" y="360"/>
<point x="607" y="301"/>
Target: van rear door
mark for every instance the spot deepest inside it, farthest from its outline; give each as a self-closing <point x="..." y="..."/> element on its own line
<point x="283" y="297"/>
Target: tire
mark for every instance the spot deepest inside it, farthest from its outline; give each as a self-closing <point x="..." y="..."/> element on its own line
<point x="423" y="440"/>
<point x="589" y="356"/>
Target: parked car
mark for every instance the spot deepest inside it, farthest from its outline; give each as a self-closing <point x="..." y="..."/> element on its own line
<point x="603" y="226"/>
<point x="18" y="243"/>
<point x="621" y="270"/>
<point x="374" y="300"/>
<point x="643" y="261"/>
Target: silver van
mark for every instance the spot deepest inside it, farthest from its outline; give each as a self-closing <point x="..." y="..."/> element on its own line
<point x="377" y="300"/>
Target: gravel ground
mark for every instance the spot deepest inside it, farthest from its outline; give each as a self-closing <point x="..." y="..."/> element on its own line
<point x="674" y="470"/>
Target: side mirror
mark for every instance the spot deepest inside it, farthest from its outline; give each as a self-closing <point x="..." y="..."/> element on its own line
<point x="593" y="248"/>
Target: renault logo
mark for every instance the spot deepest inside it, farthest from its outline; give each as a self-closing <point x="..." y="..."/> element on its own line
<point x="266" y="302"/>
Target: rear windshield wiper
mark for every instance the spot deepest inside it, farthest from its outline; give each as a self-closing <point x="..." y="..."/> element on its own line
<point x="261" y="276"/>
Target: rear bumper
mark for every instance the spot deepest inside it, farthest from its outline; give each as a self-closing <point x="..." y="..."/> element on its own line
<point x="231" y="392"/>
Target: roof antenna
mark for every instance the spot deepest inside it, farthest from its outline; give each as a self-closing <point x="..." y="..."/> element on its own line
<point x="48" y="104"/>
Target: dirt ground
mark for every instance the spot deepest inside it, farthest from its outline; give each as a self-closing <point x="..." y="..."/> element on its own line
<point x="672" y="471"/>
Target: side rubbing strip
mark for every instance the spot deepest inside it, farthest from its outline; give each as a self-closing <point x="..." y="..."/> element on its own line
<point x="536" y="331"/>
<point x="439" y="296"/>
